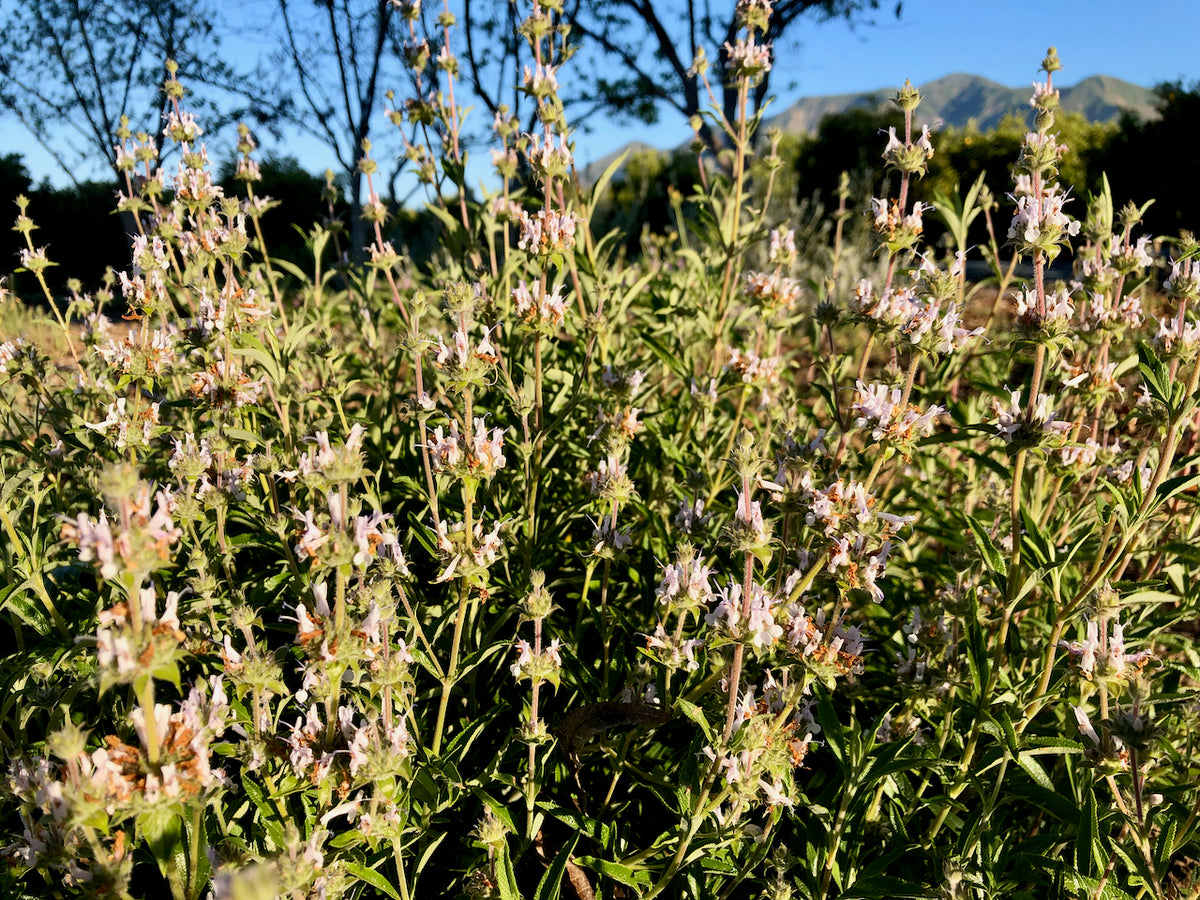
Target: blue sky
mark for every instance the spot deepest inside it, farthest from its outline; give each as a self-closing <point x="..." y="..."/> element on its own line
<point x="1143" y="42"/>
<point x="1004" y="40"/>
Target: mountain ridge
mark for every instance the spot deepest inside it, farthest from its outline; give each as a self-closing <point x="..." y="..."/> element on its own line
<point x="960" y="97"/>
<point x="953" y="100"/>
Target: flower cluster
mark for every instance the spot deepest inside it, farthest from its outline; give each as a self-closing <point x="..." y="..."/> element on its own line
<point x="112" y="781"/>
<point x="225" y="385"/>
<point x="908" y="156"/>
<point x="478" y="456"/>
<point x="897" y="228"/>
<point x="547" y="232"/>
<point x="143" y="539"/>
<point x="533" y="666"/>
<point x="891" y="423"/>
<point x="1021" y="428"/>
<point x="463" y="363"/>
<point x="685" y="583"/>
<point x="761" y="372"/>
<point x="772" y="291"/>
<point x="1102" y="657"/>
<point x="1040" y="224"/>
<point x="547" y="310"/>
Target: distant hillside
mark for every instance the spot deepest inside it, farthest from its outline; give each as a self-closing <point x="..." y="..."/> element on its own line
<point x="959" y="98"/>
<point x="952" y="100"/>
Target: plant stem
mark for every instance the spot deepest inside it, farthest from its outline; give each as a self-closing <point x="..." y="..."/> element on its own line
<point x="452" y="670"/>
<point x="739" y="648"/>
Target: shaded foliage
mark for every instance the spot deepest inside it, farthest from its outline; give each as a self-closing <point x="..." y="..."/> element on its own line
<point x="1157" y="158"/>
<point x="74" y="222"/>
<point x="640" y="200"/>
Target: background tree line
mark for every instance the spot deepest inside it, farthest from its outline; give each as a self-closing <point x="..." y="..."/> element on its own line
<point x="1142" y="159"/>
<point x="72" y="71"/>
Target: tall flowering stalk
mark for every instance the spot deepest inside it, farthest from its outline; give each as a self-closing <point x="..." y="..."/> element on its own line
<point x="897" y="227"/>
<point x="539" y="662"/>
<point x="1039" y="230"/>
<point x="748" y="60"/>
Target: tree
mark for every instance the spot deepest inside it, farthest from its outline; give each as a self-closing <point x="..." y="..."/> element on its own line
<point x="847" y="141"/>
<point x="338" y="52"/>
<point x="641" y="52"/>
<point x="1156" y="159"/>
<point x="71" y="69"/>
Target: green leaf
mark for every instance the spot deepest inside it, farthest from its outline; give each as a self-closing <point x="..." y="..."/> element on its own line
<point x="371" y="877"/>
<point x="1156" y="376"/>
<point x="695" y="714"/>
<point x="591" y="828"/>
<point x="268" y="363"/>
<point x="269" y="818"/>
<point x="1052" y="745"/>
<point x="887" y="761"/>
<point x="1173" y="486"/>
<point x="1034" y="541"/>
<point x="291" y="268"/>
<point x="831" y="731"/>
<point x="724" y="866"/>
<point x="1165" y="846"/>
<point x="551" y="884"/>
<point x="876" y="886"/>
<point x="472" y="660"/>
<point x="1006" y="728"/>
<point x="619" y="872"/>
<point x="1035" y="770"/>
<point x="669" y="357"/>
<point x="462" y="741"/>
<point x="506" y="878"/>
<point x="162" y="828"/>
<point x="991" y="554"/>
<point x="1081" y="886"/>
<point x="978" y="659"/>
<point x="23" y="606"/>
<point x="1087" y="837"/>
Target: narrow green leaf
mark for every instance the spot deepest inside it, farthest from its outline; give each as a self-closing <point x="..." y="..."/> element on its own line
<point x="1081" y="886"/>
<point x="1177" y="485"/>
<point x="992" y="556"/>
<point x="551" y="884"/>
<point x="1087" y="835"/>
<point x="1006" y="728"/>
<point x="1035" y="771"/>
<point x="269" y="819"/>
<point x="695" y="714"/>
<point x="371" y="877"/>
<point x="831" y="731"/>
<point x="506" y="878"/>
<point x="591" y="828"/>
<point x="1165" y="846"/>
<point x="619" y="872"/>
<point x="876" y="886"/>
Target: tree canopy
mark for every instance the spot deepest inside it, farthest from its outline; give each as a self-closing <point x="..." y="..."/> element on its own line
<point x="71" y="69"/>
<point x="640" y="51"/>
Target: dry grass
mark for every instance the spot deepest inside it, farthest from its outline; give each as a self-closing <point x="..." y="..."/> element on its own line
<point x="35" y="325"/>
